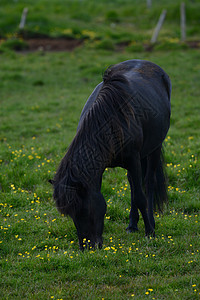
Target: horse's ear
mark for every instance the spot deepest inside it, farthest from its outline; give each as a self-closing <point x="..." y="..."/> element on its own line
<point x="51" y="181"/>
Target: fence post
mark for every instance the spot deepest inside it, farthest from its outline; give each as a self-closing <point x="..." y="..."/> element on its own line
<point x="149" y="2"/>
<point x="158" y="26"/>
<point x="183" y="22"/>
<point x="23" y="18"/>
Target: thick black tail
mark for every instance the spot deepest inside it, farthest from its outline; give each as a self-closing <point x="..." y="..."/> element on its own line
<point x="159" y="182"/>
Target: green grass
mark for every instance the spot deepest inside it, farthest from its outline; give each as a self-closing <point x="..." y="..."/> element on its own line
<point x="41" y="98"/>
<point x="105" y="23"/>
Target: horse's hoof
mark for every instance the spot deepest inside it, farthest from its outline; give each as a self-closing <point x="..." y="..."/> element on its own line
<point x="150" y="234"/>
<point x="131" y="229"/>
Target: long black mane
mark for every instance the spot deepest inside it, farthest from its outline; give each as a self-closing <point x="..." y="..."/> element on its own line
<point x="95" y="141"/>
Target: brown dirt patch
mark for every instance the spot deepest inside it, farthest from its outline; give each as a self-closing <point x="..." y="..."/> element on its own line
<point x="46" y="44"/>
<point x="193" y="44"/>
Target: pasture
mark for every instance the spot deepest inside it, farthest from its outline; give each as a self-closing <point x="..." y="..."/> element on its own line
<point x="41" y="98"/>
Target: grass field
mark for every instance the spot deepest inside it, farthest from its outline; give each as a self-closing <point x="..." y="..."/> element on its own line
<point x="103" y="24"/>
<point x="41" y="97"/>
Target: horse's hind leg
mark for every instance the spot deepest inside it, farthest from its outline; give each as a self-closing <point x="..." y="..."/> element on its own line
<point x="134" y="215"/>
<point x="152" y="163"/>
<point x="139" y="200"/>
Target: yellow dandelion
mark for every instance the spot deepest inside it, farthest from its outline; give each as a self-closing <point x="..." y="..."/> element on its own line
<point x="107" y="248"/>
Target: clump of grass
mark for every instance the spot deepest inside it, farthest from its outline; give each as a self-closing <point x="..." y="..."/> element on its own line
<point x="135" y="47"/>
<point x="112" y="16"/>
<point x="170" y="44"/>
<point x="105" y="44"/>
<point x="14" y="44"/>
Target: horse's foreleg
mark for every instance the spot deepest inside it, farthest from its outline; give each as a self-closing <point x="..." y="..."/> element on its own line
<point x="140" y="201"/>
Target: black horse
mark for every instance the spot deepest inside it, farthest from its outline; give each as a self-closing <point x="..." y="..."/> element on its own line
<point x="124" y="123"/>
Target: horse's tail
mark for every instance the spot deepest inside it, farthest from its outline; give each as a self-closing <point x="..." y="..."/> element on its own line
<point x="160" y="186"/>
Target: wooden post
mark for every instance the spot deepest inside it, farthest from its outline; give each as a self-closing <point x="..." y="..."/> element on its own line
<point x="149" y="2"/>
<point x="183" y="22"/>
<point x="23" y="18"/>
<point x="158" y="26"/>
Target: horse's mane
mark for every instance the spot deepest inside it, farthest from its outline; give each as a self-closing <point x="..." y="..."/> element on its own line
<point x="94" y="145"/>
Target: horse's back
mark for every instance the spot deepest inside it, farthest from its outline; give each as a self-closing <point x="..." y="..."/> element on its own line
<point x="145" y="76"/>
<point x="150" y="89"/>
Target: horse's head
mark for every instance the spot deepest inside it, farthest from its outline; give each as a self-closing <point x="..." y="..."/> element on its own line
<point x="89" y="220"/>
<point x="86" y="207"/>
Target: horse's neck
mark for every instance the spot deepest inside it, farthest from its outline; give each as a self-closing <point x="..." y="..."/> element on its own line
<point x="89" y="164"/>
